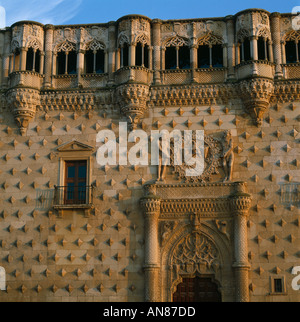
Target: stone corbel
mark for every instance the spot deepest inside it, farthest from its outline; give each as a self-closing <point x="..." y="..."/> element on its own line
<point x="256" y="94"/>
<point x="133" y="102"/>
<point x="23" y="103"/>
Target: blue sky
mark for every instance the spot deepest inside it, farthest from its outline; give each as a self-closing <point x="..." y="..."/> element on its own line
<point x="102" y="11"/>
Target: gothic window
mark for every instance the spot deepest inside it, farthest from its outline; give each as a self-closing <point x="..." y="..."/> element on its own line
<point x="292" y="47"/>
<point x="184" y="57"/>
<point x="66" y="59"/>
<point x="95" y="58"/>
<point x="210" y="52"/>
<point x="244" y="46"/>
<point x="142" y="55"/>
<point x="177" y="55"/>
<point x="16" y="58"/>
<point x="33" y="60"/>
<point x="263" y="49"/>
<point x="245" y="50"/>
<point x="124" y="55"/>
<point x="203" y="56"/>
<point x="171" y="58"/>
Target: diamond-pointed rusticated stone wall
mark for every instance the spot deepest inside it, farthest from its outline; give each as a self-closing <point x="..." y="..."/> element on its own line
<point x="55" y="252"/>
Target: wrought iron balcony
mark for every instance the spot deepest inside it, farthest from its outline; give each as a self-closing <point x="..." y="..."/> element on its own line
<point x="73" y="196"/>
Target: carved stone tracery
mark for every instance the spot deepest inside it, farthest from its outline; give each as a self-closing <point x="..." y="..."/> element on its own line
<point x="195" y="254"/>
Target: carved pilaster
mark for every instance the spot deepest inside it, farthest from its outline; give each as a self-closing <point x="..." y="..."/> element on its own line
<point x="240" y="203"/>
<point x="275" y="27"/>
<point x="132" y="100"/>
<point x="49" y="29"/>
<point x="230" y="48"/>
<point x="156" y="37"/>
<point x="151" y="207"/>
<point x="23" y="103"/>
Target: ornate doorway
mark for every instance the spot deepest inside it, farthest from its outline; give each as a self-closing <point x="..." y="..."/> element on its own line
<point x="198" y="289"/>
<point x="196" y="230"/>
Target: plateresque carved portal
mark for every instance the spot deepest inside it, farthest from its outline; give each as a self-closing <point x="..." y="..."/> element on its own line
<point x="190" y="234"/>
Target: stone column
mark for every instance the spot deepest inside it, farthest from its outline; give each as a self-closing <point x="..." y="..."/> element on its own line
<point x="23" y="57"/>
<point x="106" y="61"/>
<point x="240" y="205"/>
<point x="80" y="66"/>
<point x="225" y="52"/>
<point x="151" y="207"/>
<point x="7" y="61"/>
<point x="11" y="63"/>
<point x="150" y="58"/>
<point x="254" y="51"/>
<point x="156" y="41"/>
<point x="275" y="31"/>
<point x="118" y="58"/>
<point x="132" y="49"/>
<point x="112" y="57"/>
<point x="271" y="54"/>
<point x="42" y="60"/>
<point x="163" y="56"/>
<point x="48" y="54"/>
<point x="230" y="47"/>
<point x="193" y="53"/>
<point x="237" y="54"/>
<point x="194" y="62"/>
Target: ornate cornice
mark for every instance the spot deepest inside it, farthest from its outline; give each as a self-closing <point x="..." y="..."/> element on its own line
<point x="208" y="207"/>
<point x="134" y="99"/>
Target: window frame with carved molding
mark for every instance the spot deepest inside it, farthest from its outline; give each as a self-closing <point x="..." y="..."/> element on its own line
<point x="244" y="46"/>
<point x="179" y="45"/>
<point x="95" y="56"/>
<point x="292" y="38"/>
<point x="212" y="43"/>
<point x="123" y="51"/>
<point x="33" y="58"/>
<point x="142" y="48"/>
<point x="73" y="152"/>
<point x="35" y="61"/>
<point x="63" y="53"/>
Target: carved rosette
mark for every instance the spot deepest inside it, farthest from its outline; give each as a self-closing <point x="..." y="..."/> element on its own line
<point x="23" y="103"/>
<point x="256" y="95"/>
<point x="133" y="100"/>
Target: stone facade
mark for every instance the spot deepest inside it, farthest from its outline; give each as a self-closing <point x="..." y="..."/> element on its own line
<point x="128" y="240"/>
